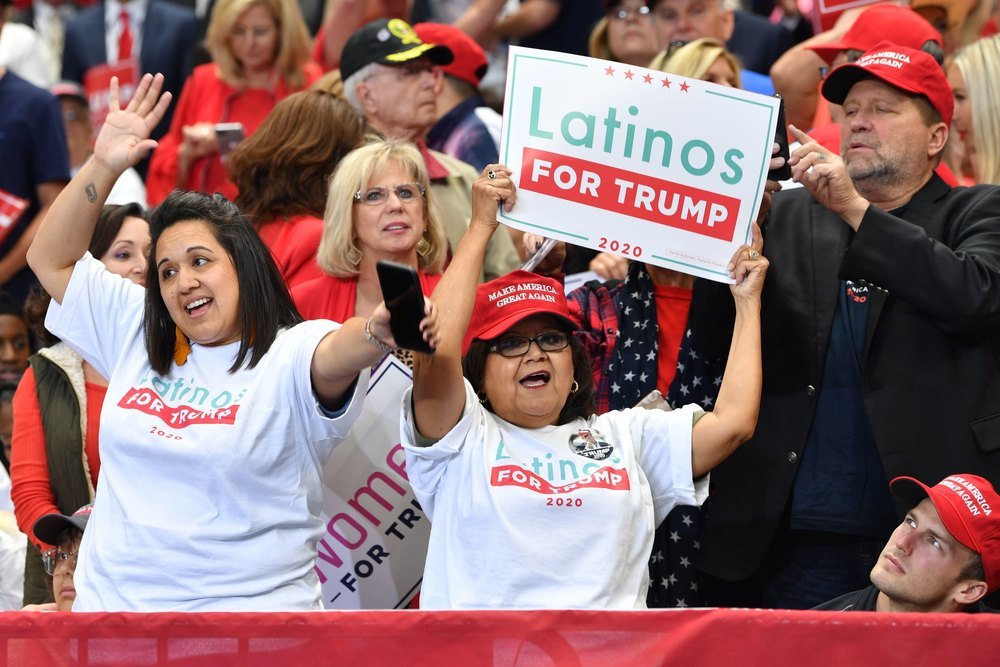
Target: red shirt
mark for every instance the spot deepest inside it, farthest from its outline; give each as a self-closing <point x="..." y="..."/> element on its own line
<point x="29" y="469"/>
<point x="293" y="242"/>
<point x="206" y="98"/>
<point x="334" y="299"/>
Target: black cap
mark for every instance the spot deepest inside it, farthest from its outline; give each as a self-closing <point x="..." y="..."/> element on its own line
<point x="388" y="42"/>
<point x="50" y="527"/>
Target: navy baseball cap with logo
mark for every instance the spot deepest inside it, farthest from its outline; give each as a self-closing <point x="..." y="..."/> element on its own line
<point x="388" y="42"/>
<point x="50" y="528"/>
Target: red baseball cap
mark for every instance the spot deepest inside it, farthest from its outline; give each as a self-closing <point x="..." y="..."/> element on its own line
<point x="908" y="69"/>
<point x="502" y="303"/>
<point x="470" y="63"/>
<point x="894" y="23"/>
<point x="965" y="504"/>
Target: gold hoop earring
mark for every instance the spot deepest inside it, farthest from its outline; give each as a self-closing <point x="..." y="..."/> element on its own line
<point x="575" y="388"/>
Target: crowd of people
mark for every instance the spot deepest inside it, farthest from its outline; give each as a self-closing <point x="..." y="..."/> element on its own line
<point x="194" y="201"/>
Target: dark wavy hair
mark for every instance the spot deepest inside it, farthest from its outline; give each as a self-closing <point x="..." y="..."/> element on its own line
<point x="578" y="404"/>
<point x="265" y="304"/>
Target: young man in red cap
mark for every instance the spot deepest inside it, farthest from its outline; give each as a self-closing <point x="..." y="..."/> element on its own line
<point x="881" y="338"/>
<point x="943" y="557"/>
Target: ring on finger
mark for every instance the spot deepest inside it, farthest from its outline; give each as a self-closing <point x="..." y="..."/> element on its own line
<point x="820" y="156"/>
<point x="491" y="174"/>
<point x="753" y="255"/>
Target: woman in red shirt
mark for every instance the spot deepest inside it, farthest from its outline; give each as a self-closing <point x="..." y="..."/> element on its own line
<point x="55" y="473"/>
<point x="283" y="173"/>
<point x="378" y="208"/>
<point x="261" y="54"/>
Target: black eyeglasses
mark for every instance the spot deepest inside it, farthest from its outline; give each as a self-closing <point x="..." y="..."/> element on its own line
<point x="518" y="346"/>
<point x="407" y="192"/>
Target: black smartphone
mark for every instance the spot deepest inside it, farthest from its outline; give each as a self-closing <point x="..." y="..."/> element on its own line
<point x="228" y="136"/>
<point x="781" y="138"/>
<point x="405" y="301"/>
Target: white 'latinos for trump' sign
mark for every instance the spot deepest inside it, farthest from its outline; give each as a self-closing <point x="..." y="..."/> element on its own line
<point x="647" y="165"/>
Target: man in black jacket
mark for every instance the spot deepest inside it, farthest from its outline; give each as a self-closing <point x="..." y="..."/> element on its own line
<point x="881" y="341"/>
<point x="943" y="557"/>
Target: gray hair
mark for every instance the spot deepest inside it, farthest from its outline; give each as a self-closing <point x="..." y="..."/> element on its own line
<point x="351" y="85"/>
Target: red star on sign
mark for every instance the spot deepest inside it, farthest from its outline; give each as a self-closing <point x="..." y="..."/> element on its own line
<point x="684" y="87"/>
<point x="610" y="71"/>
<point x="666" y="82"/>
<point x="629" y="74"/>
<point x="647" y="79"/>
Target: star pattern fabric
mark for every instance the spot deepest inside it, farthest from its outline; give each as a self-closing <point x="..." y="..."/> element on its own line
<point x="619" y="329"/>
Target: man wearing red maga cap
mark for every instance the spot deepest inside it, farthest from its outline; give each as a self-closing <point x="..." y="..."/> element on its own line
<point x="943" y="557"/>
<point x="798" y="73"/>
<point x="881" y="320"/>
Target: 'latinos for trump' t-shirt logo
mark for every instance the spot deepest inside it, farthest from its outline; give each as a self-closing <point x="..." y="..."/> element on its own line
<point x="179" y="404"/>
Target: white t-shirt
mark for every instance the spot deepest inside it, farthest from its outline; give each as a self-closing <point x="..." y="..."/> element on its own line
<point x="210" y="487"/>
<point x="556" y="517"/>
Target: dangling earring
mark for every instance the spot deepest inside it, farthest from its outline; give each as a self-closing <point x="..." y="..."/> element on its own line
<point x="182" y="346"/>
<point x="354" y="255"/>
<point x="423" y="245"/>
<point x="575" y="388"/>
<point x="481" y="395"/>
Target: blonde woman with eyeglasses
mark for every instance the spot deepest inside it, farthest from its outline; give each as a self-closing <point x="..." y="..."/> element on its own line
<point x="378" y="208"/>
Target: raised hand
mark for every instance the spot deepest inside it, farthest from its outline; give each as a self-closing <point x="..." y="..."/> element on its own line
<point x="748" y="267"/>
<point x="493" y="188"/>
<point x="124" y="137"/>
<point x="824" y="174"/>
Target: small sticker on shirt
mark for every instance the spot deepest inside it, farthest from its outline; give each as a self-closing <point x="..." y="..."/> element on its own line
<point x="590" y="443"/>
<point x="857" y="293"/>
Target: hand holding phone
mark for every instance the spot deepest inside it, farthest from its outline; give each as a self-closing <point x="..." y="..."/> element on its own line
<point x="228" y="136"/>
<point x="404" y="298"/>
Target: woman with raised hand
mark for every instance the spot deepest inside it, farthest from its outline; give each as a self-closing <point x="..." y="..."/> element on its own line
<point x="222" y="406"/>
<point x="534" y="501"/>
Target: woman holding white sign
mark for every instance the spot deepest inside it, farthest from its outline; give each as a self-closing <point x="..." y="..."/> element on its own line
<point x="534" y="501"/>
<point x="222" y="405"/>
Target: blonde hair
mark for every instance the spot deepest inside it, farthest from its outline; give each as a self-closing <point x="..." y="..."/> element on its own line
<point x="597" y="45"/>
<point x="695" y="58"/>
<point x="339" y="254"/>
<point x="293" y="48"/>
<point x="979" y="64"/>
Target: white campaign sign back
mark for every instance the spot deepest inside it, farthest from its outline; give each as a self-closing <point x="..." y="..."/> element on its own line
<point x="371" y="555"/>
